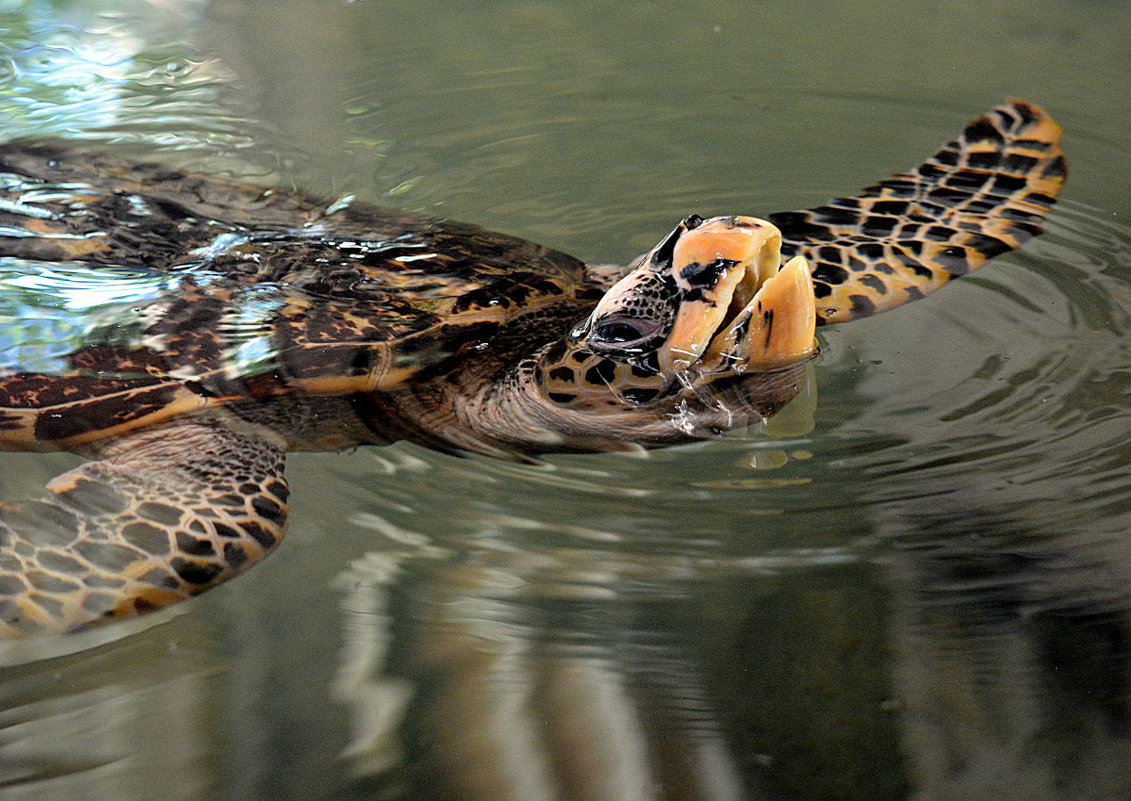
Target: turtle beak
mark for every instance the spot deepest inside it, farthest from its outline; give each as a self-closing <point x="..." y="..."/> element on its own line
<point x="739" y="310"/>
<point x="777" y="327"/>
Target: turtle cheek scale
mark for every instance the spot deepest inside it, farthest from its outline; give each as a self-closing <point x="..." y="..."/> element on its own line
<point x="531" y="413"/>
<point x="583" y="379"/>
<point x="587" y="402"/>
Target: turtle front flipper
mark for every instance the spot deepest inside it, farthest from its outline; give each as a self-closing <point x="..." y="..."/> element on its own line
<point x="978" y="197"/>
<point x="165" y="514"/>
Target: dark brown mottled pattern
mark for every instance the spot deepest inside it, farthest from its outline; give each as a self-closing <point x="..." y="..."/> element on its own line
<point x="976" y="198"/>
<point x="346" y="300"/>
<point x="121" y="536"/>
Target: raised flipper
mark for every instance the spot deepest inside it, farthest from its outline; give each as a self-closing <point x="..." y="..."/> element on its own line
<point x="165" y="514"/>
<point x="978" y="197"/>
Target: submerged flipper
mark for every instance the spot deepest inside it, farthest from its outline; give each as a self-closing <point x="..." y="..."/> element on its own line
<point x="166" y="514"/>
<point x="978" y="197"/>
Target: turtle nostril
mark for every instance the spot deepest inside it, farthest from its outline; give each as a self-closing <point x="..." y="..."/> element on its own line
<point x="692" y="221"/>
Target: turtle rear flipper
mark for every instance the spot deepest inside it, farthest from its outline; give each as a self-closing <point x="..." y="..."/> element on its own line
<point x="167" y="513"/>
<point x="978" y="197"/>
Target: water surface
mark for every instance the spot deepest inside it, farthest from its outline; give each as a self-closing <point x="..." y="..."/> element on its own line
<point x="911" y="584"/>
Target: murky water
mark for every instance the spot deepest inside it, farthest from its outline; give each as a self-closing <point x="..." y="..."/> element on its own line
<point x="913" y="584"/>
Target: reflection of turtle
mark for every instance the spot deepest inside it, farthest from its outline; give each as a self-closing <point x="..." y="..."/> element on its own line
<point x="186" y="332"/>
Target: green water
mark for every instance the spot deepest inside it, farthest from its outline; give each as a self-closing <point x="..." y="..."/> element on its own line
<point x="916" y="584"/>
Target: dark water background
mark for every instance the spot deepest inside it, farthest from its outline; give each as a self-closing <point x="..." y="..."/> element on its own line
<point x="915" y="583"/>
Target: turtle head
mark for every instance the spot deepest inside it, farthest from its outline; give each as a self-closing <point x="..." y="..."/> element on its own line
<point x="710" y="301"/>
<point x="706" y="332"/>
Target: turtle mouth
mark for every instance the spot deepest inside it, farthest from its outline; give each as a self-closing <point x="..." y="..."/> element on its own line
<point x="770" y="327"/>
<point x="741" y="309"/>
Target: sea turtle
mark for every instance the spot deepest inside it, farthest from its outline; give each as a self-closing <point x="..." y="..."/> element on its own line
<point x="185" y="332"/>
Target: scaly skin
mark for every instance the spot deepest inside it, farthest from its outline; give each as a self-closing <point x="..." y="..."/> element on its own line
<point x="978" y="197"/>
<point x="166" y="514"/>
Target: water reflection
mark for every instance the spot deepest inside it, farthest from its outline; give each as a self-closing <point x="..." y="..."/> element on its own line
<point x="1014" y="653"/>
<point x="977" y="649"/>
<point x="92" y="726"/>
<point x="544" y="674"/>
<point x="84" y="71"/>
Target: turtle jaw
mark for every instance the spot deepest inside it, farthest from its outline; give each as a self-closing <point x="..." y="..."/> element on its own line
<point x="741" y="310"/>
<point x="776" y="327"/>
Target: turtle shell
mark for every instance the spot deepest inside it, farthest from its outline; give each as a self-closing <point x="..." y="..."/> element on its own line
<point x="131" y="293"/>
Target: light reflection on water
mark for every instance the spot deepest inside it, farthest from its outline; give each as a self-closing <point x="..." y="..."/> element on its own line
<point x="107" y="82"/>
<point x="918" y="585"/>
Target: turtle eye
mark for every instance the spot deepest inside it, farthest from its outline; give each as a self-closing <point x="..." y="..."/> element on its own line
<point x="625" y="334"/>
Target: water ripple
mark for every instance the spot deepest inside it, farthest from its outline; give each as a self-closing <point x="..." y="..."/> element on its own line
<point x="103" y="80"/>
